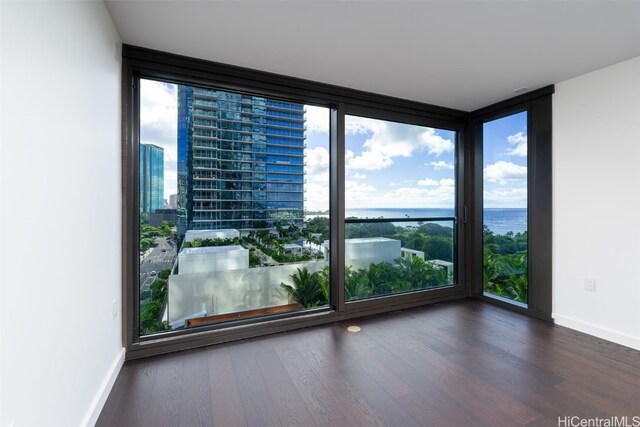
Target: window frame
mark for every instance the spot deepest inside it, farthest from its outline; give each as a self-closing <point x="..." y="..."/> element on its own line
<point x="538" y="105"/>
<point x="145" y="63"/>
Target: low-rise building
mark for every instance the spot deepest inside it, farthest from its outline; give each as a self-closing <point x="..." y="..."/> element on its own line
<point x="228" y="233"/>
<point x="362" y="252"/>
<point x="212" y="258"/>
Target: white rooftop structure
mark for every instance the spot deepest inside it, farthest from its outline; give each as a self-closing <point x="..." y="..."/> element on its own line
<point x="292" y="246"/>
<point x="445" y="265"/>
<point x="212" y="258"/>
<point x="227" y="233"/>
<point x="361" y="252"/>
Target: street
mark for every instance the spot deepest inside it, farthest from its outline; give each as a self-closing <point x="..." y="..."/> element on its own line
<point x="156" y="261"/>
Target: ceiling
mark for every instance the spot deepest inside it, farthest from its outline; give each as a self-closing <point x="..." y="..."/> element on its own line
<point x="457" y="54"/>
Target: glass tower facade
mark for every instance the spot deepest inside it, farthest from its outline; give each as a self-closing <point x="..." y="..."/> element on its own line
<point x="240" y="160"/>
<point x="151" y="178"/>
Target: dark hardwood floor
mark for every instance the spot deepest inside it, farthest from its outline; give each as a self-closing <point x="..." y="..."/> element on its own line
<point x="465" y="363"/>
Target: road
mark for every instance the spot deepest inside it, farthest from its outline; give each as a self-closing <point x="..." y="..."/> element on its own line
<point x="156" y="261"/>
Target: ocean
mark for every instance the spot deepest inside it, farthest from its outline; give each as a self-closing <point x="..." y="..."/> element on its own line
<point x="500" y="221"/>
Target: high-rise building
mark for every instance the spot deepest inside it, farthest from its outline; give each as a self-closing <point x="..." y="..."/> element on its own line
<point x="240" y="160"/>
<point x="173" y="201"/>
<point x="151" y="178"/>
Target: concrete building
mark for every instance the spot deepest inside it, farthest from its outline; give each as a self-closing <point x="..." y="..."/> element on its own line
<point x="190" y="235"/>
<point x="361" y="252"/>
<point x="212" y="258"/>
<point x="161" y="215"/>
<point x="408" y="253"/>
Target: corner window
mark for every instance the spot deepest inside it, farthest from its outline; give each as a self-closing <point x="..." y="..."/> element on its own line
<point x="504" y="213"/>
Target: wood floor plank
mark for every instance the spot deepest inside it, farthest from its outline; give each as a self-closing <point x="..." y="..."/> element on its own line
<point x="485" y="401"/>
<point x="195" y="395"/>
<point x="364" y="351"/>
<point x="133" y="406"/>
<point x="164" y="403"/>
<point x="460" y="363"/>
<point x="326" y="365"/>
<point x="113" y="404"/>
<point x="226" y="403"/>
<point x="324" y="408"/>
<point x="287" y="402"/>
<point x="259" y="408"/>
<point x="431" y="397"/>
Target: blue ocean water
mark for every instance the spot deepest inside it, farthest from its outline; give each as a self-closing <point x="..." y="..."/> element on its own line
<point x="500" y="221"/>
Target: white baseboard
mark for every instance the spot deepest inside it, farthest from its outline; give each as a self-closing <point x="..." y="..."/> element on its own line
<point x="617" y="337"/>
<point x="103" y="393"/>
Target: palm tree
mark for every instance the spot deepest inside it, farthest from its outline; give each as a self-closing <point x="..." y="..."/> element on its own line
<point x="412" y="270"/>
<point x="323" y="280"/>
<point x="382" y="277"/>
<point x="307" y="290"/>
<point x="356" y="284"/>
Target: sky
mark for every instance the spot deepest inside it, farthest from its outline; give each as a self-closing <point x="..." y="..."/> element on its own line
<point x="388" y="164"/>
<point x="505" y="162"/>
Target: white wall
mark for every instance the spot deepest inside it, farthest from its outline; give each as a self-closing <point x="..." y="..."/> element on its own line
<point x="232" y="290"/>
<point x="60" y="225"/>
<point x="596" y="162"/>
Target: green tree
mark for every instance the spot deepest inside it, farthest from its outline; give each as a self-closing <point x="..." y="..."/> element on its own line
<point x="319" y="225"/>
<point x="149" y="315"/>
<point x="307" y="290"/>
<point x="356" y="284"/>
<point x="166" y="229"/>
<point x="382" y="277"/>
<point x="323" y="281"/>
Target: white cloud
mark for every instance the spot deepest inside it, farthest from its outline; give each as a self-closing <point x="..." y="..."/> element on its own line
<point x="317" y="119"/>
<point x="317" y="195"/>
<point x="517" y="138"/>
<point x="519" y="141"/>
<point x="392" y="184"/>
<point x="358" y="192"/>
<point x="428" y="182"/>
<point x="317" y="159"/>
<point x="369" y="160"/>
<point x="358" y="175"/>
<point x="441" y="194"/>
<point x="440" y="164"/>
<point x="507" y="198"/>
<point x="387" y="140"/>
<point x="502" y="172"/>
<point x="159" y="126"/>
<point x="317" y="176"/>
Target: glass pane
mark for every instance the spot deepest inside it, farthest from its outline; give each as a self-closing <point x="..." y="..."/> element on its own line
<point x="226" y="183"/>
<point x="505" y="263"/>
<point x="400" y="204"/>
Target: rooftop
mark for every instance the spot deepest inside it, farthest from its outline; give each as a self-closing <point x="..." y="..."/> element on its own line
<point x="212" y="249"/>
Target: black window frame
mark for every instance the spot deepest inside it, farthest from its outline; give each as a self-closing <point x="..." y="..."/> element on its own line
<point x="151" y="64"/>
<point x="538" y="105"/>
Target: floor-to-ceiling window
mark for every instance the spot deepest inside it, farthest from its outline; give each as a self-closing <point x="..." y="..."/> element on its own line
<point x="234" y="206"/>
<point x="257" y="203"/>
<point x="511" y="203"/>
<point x="400" y="207"/>
<point x="504" y="209"/>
